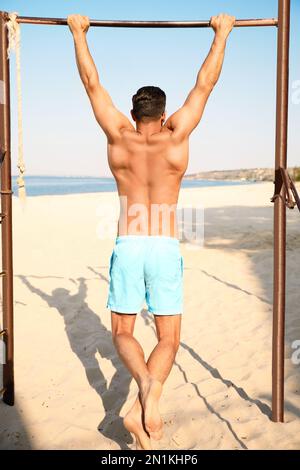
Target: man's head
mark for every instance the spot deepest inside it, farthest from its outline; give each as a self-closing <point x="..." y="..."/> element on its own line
<point x="148" y="104"/>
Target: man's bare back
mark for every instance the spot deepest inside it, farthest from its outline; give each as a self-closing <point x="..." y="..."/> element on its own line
<point x="148" y="169"/>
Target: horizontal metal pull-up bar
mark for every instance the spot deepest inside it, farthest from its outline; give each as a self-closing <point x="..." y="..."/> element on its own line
<point x="145" y="24"/>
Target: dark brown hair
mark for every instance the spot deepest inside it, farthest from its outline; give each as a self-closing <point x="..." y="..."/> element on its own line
<point x="148" y="102"/>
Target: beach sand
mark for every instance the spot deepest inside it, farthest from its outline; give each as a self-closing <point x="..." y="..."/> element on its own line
<point x="71" y="388"/>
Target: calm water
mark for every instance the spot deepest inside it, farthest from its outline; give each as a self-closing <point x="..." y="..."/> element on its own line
<point x="50" y="185"/>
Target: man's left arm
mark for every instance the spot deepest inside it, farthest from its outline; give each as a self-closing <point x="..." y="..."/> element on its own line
<point x="109" y="118"/>
<point x="185" y="120"/>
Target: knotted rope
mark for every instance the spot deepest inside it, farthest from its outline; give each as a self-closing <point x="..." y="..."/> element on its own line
<point x="14" y="37"/>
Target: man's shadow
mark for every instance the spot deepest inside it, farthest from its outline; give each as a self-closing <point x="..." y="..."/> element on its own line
<point x="87" y="337"/>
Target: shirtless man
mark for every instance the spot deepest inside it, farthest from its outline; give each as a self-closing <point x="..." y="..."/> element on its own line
<point x="148" y="162"/>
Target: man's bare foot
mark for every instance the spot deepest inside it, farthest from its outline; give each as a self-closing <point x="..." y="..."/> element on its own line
<point x="133" y="422"/>
<point x="150" y="394"/>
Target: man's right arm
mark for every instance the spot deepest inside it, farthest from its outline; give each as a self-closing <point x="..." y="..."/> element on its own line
<point x="184" y="121"/>
<point x="111" y="120"/>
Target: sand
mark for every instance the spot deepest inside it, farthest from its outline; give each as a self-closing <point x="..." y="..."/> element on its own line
<point x="72" y="390"/>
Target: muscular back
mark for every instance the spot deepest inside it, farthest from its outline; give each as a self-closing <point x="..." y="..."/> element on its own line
<point x="148" y="171"/>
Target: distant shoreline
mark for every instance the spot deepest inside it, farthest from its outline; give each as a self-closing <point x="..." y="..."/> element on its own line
<point x="250" y="174"/>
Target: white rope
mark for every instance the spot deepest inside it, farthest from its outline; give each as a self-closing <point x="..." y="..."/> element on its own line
<point x="14" y="37"/>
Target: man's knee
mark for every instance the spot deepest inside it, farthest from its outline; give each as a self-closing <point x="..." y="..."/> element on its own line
<point x="168" y="330"/>
<point x="172" y="340"/>
<point x="120" y="333"/>
<point x="122" y="326"/>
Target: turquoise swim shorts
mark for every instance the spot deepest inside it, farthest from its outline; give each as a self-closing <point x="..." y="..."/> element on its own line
<point x="146" y="269"/>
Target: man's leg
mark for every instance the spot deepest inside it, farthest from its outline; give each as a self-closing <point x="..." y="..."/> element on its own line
<point x="128" y="348"/>
<point x="162" y="358"/>
<point x="132" y="354"/>
<point x="159" y="365"/>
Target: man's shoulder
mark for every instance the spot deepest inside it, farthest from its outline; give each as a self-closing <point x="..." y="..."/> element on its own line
<point x="125" y="133"/>
<point x="128" y="132"/>
<point x="176" y="136"/>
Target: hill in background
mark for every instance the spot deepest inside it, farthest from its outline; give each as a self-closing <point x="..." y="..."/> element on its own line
<point x="251" y="174"/>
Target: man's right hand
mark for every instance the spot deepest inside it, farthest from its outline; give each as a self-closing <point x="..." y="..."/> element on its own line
<point x="222" y="24"/>
<point x="78" y="24"/>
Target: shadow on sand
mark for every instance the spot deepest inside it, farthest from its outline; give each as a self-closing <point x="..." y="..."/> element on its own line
<point x="254" y="238"/>
<point x="13" y="432"/>
<point x="88" y="337"/>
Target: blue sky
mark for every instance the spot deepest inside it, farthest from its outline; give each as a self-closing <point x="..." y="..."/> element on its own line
<point x="237" y="130"/>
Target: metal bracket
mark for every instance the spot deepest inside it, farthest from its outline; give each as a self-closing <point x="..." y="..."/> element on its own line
<point x="6" y="191"/>
<point x="291" y="197"/>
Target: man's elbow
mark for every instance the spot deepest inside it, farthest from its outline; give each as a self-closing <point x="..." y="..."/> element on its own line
<point x="91" y="83"/>
<point x="206" y="85"/>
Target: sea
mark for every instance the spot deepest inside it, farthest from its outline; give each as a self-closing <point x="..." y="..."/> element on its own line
<point x="55" y="185"/>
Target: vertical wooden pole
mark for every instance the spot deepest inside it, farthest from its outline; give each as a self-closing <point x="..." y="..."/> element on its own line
<point x="6" y="222"/>
<point x="280" y="211"/>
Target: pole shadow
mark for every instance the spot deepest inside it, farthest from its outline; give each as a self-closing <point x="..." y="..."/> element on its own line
<point x="264" y="408"/>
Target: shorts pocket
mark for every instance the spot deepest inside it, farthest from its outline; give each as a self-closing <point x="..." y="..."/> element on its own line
<point x="181" y="265"/>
